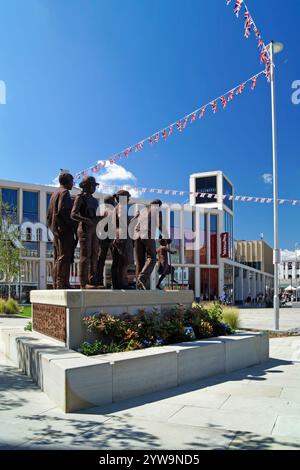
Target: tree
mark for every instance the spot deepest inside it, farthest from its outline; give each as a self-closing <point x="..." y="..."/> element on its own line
<point x="10" y="245"/>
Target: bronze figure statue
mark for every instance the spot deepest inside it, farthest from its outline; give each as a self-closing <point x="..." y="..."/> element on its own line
<point x="85" y="213"/>
<point x="164" y="267"/>
<point x="122" y="247"/>
<point x="105" y="244"/>
<point x="64" y="232"/>
<point x="150" y="220"/>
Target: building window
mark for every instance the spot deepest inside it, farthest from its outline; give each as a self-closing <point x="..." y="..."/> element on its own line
<point x="31" y="249"/>
<point x="228" y="282"/>
<point x="206" y="185"/>
<point x="185" y="278"/>
<point x="214" y="239"/>
<point x="227" y="191"/>
<point x="209" y="286"/>
<point x="189" y="236"/>
<point x="175" y="236"/>
<point x="203" y="238"/>
<point x="48" y="200"/>
<point x="30" y="206"/>
<point x="10" y="200"/>
<point x="228" y="228"/>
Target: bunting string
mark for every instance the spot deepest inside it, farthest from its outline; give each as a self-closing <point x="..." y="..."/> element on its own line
<point x="249" y="25"/>
<point x="111" y="188"/>
<point x="181" y="124"/>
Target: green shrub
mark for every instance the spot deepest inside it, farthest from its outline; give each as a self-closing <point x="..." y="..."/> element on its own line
<point x="215" y="312"/>
<point x="28" y="326"/>
<point x="231" y="316"/>
<point x="2" y="306"/>
<point x="129" y="332"/>
<point x="11" y="307"/>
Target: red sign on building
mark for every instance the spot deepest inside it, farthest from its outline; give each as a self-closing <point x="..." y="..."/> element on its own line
<point x="225" y="245"/>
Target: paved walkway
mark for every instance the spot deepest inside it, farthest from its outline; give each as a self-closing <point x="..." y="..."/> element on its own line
<point x="256" y="408"/>
<point x="263" y="319"/>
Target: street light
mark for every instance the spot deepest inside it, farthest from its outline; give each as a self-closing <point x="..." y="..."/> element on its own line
<point x="275" y="48"/>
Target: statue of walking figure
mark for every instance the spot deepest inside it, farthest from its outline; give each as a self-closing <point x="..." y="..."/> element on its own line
<point x="149" y="222"/>
<point x="105" y="242"/>
<point x="85" y="212"/>
<point x="122" y="247"/>
<point x="64" y="232"/>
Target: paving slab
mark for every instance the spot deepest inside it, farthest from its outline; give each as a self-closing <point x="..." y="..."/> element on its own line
<point x="255" y="408"/>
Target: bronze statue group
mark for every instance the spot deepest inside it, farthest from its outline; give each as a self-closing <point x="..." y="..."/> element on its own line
<point x="71" y="222"/>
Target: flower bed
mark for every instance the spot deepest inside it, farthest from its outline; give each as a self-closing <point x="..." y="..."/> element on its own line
<point x="144" y="330"/>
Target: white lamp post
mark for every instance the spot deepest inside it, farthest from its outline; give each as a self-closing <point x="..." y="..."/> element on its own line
<point x="275" y="48"/>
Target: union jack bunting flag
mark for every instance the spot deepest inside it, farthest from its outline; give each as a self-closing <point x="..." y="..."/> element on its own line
<point x="164" y="134"/>
<point x="254" y="80"/>
<point x="224" y="102"/>
<point x="194" y="117"/>
<point x="202" y="112"/>
<point x="263" y="56"/>
<point x="231" y="95"/>
<point x="248" y="28"/>
<point x="150" y="140"/>
<point x="185" y="123"/>
<point x="156" y="138"/>
<point x="237" y="8"/>
<point x="179" y="127"/>
<point x="240" y="89"/>
<point x="170" y="130"/>
<point x="267" y="70"/>
<point x="214" y="106"/>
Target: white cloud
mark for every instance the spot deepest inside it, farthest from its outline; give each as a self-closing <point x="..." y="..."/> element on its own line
<point x="113" y="175"/>
<point x="55" y="181"/>
<point x="267" y="178"/>
<point x="114" y="172"/>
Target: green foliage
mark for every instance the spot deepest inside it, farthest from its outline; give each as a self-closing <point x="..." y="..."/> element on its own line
<point x="28" y="326"/>
<point x="9" y="307"/>
<point x="172" y="326"/>
<point x="215" y="312"/>
<point x="130" y="332"/>
<point x="148" y="326"/>
<point x="2" y="306"/>
<point x="100" y="347"/>
<point x="231" y="316"/>
<point x="12" y="307"/>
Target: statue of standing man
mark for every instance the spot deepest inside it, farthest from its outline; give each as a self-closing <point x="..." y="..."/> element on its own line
<point x="85" y="212"/>
<point x="149" y="223"/>
<point x="122" y="247"/>
<point x="63" y="229"/>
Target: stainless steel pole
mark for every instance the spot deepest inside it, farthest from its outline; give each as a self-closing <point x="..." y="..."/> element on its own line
<point x="275" y="194"/>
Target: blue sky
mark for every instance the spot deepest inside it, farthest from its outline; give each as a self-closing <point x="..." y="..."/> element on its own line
<point x="86" y="79"/>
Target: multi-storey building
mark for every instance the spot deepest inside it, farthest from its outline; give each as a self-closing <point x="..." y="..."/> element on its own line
<point x="289" y="269"/>
<point x="202" y="232"/>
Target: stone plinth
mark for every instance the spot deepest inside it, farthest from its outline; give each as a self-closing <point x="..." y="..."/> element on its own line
<point x="58" y="313"/>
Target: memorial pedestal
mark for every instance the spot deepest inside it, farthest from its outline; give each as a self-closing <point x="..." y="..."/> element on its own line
<point x="59" y="313"/>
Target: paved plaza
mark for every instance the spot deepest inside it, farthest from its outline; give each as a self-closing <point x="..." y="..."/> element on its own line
<point x="255" y="408"/>
<point x="263" y="319"/>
